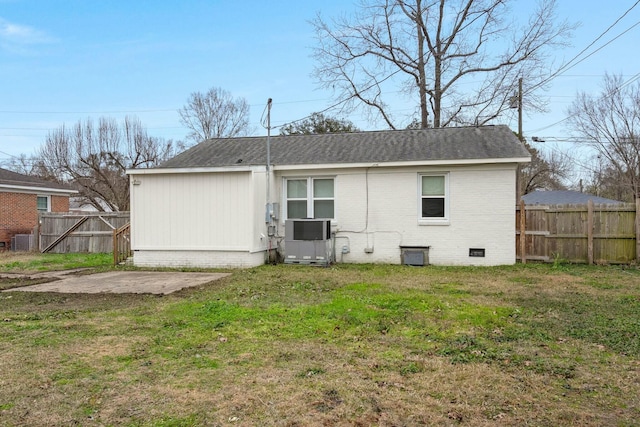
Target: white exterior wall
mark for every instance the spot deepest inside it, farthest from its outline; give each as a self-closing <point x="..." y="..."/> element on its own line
<point x="481" y="213"/>
<point x="198" y="259"/>
<point x="204" y="219"/>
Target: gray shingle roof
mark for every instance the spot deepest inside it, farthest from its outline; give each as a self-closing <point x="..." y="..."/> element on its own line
<point x="463" y="143"/>
<point x="562" y="197"/>
<point x="8" y="177"/>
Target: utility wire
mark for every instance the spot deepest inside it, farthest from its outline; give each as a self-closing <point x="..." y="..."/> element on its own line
<point x="568" y="65"/>
<point x="627" y="83"/>
<point x="158" y="110"/>
<point x="558" y="72"/>
<point x="7" y="154"/>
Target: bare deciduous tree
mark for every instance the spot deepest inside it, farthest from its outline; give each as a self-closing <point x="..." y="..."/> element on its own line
<point x="544" y="172"/>
<point x="607" y="181"/>
<point x="95" y="157"/>
<point x="462" y="58"/>
<point x="21" y="164"/>
<point x="215" y="114"/>
<point x="610" y="123"/>
<point x="318" y="123"/>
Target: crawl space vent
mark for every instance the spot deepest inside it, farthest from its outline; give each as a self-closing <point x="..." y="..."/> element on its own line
<point x="414" y="255"/>
<point x="476" y="252"/>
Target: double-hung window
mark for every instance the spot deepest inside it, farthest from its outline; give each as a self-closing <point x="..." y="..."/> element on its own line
<point x="310" y="197"/>
<point x="42" y="203"/>
<point x="434" y="198"/>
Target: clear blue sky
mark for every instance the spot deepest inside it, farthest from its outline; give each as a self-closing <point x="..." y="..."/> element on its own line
<point x="61" y="61"/>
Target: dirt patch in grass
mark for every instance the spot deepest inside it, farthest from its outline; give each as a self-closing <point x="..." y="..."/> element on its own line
<point x="20" y="281"/>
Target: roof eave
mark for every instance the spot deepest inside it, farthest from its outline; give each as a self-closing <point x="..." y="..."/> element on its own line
<point x="209" y="169"/>
<point x="254" y="168"/>
<point x="34" y="189"/>
<point x="404" y="163"/>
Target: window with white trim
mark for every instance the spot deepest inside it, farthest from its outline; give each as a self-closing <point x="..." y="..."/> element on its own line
<point x="43" y="203"/>
<point x="434" y="197"/>
<point x="310" y="197"/>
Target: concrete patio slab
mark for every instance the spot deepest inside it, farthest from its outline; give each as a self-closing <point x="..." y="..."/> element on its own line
<point x="137" y="282"/>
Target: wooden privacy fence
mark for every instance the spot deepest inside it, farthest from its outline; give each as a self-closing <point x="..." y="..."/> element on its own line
<point x="90" y="232"/>
<point x="603" y="234"/>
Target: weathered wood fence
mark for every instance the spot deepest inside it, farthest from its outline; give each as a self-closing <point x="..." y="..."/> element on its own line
<point x="601" y="234"/>
<point x="575" y="233"/>
<point x="89" y="232"/>
<point x="121" y="244"/>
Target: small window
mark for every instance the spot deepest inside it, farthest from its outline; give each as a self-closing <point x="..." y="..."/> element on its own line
<point x="433" y="197"/>
<point x="310" y="198"/>
<point x="43" y="204"/>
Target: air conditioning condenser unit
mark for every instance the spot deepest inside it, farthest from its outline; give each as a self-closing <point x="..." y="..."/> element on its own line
<point x="308" y="241"/>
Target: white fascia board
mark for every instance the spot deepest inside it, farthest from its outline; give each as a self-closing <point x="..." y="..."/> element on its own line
<point x="163" y="171"/>
<point x="35" y="190"/>
<point x="400" y="164"/>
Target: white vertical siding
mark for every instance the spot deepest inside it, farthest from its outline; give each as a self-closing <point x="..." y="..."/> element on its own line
<point x="259" y="201"/>
<point x="194" y="211"/>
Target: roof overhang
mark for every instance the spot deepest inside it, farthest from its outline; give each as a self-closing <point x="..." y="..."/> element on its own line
<point x="262" y="168"/>
<point x="216" y="169"/>
<point x="460" y="162"/>
<point x="39" y="190"/>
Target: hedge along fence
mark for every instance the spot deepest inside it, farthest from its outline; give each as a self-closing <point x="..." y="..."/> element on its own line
<point x="69" y="233"/>
<point x="603" y="234"/>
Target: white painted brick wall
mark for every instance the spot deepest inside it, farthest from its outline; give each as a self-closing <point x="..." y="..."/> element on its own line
<point x="198" y="259"/>
<point x="482" y="215"/>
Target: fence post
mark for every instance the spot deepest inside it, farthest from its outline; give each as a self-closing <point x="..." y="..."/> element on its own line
<point x="36" y="236"/>
<point x="116" y="249"/>
<point x="638" y="229"/>
<point x="121" y="243"/>
<point x="523" y="233"/>
<point x="590" y="231"/>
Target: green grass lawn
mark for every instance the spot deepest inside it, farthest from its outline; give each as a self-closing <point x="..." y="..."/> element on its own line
<point x="32" y="262"/>
<point x="346" y="345"/>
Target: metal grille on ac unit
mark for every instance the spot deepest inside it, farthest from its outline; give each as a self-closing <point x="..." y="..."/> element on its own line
<point x="308" y="241"/>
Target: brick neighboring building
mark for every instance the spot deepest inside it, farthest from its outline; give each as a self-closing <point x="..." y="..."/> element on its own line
<point x="22" y="197"/>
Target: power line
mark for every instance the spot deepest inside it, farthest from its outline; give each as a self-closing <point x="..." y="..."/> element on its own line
<point x="165" y="110"/>
<point x="10" y="155"/>
<point x="558" y="72"/>
<point x="627" y="83"/>
<point x="86" y="112"/>
<point x="144" y="110"/>
<point x="568" y="65"/>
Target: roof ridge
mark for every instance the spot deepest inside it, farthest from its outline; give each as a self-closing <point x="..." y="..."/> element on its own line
<point x="302" y="135"/>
